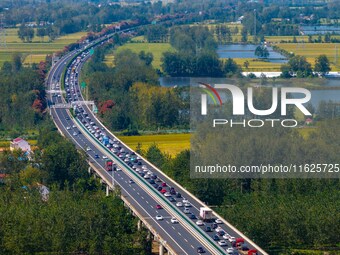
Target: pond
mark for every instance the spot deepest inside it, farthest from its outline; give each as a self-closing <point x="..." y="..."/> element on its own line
<point x="247" y="51"/>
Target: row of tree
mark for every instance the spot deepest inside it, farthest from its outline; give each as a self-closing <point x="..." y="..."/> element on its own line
<point x="195" y="54"/>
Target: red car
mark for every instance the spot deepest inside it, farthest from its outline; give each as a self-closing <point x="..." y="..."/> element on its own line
<point x="163" y="184"/>
<point x="163" y="191"/>
<point x="158" y="207"/>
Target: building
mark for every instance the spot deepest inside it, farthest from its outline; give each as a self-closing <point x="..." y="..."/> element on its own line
<point x="19" y="143"/>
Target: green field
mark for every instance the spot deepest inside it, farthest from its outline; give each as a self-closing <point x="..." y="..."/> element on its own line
<point x="169" y="143"/>
<point x="37" y="50"/>
<point x="312" y="50"/>
<point x="157" y="49"/>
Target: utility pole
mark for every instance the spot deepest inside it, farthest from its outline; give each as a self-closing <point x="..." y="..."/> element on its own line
<point x="2" y="32"/>
<point x="254" y="24"/>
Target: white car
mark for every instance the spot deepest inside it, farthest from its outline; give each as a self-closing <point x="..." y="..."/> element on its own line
<point x="88" y="148"/>
<point x="74" y="126"/>
<point x="199" y="223"/>
<point x="230" y="250"/>
<point x="186" y="210"/>
<point x="104" y="157"/>
<point x="174" y="220"/>
<point x="146" y="176"/>
<point x="185" y="200"/>
<point x="222" y="243"/>
<point x="74" y="133"/>
<point x="159" y="217"/>
<point x="179" y="204"/>
<point x="218" y="229"/>
<point x="118" y="169"/>
<point x="231" y="239"/>
<point x="167" y="194"/>
<point x="187" y="204"/>
<point x="218" y="221"/>
<point x="226" y="236"/>
<point x="68" y="128"/>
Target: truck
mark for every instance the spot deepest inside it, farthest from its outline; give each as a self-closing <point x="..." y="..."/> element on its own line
<point x="248" y="252"/>
<point x="206" y="214"/>
<point x="108" y="164"/>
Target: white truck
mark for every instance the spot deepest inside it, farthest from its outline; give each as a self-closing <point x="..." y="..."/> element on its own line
<point x="206" y="214"/>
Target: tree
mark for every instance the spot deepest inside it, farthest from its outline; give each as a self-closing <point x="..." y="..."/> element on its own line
<point x="246" y="64"/>
<point x="299" y="66"/>
<point x="244" y="34"/>
<point x="41" y="32"/>
<point x="26" y="34"/>
<point x="322" y="65"/>
<point x="261" y="51"/>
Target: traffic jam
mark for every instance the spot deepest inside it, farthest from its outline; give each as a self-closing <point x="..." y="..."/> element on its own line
<point x="205" y="220"/>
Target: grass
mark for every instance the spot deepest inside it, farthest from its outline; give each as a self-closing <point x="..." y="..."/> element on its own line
<point x="256" y="65"/>
<point x="313" y="50"/>
<point x="168" y="143"/>
<point x="37" y="50"/>
<point x="157" y="49"/>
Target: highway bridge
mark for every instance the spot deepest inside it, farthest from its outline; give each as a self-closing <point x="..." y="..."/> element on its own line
<point x="156" y="211"/>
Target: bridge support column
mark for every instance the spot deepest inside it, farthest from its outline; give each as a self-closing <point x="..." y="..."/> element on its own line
<point x="139" y="225"/>
<point x="148" y="237"/>
<point x="161" y="249"/>
<point x="89" y="170"/>
<point x="107" y="190"/>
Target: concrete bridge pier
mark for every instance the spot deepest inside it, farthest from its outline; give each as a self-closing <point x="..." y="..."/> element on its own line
<point x="161" y="249"/>
<point x="139" y="225"/>
<point x="107" y="190"/>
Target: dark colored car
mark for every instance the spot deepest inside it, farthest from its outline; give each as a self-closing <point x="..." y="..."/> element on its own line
<point x="158" y="207"/>
<point x="214" y="225"/>
<point x="152" y="182"/>
<point x="208" y="229"/>
<point x="172" y="191"/>
<point x="221" y="233"/>
<point x="216" y="238"/>
<point x="163" y="184"/>
<point x="154" y="176"/>
<point x="96" y="156"/>
<point x="178" y="195"/>
<point x="193" y="216"/>
<point x="156" y="186"/>
<point x="200" y="250"/>
<point x="171" y="199"/>
<point x="159" y="188"/>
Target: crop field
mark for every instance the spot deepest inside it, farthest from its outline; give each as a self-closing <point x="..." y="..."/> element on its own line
<point x="168" y="143"/>
<point x="312" y="50"/>
<point x="37" y="50"/>
<point x="256" y="65"/>
<point x="157" y="49"/>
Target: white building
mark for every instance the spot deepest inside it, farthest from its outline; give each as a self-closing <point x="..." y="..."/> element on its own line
<point x="19" y="143"/>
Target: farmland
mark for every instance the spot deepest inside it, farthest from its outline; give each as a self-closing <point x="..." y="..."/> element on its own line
<point x="37" y="50"/>
<point x="168" y="143"/>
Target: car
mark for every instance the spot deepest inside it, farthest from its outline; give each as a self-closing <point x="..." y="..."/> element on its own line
<point x="226" y="236"/>
<point x="222" y="243"/>
<point x="186" y="210"/>
<point x="158" y="180"/>
<point x="96" y="156"/>
<point x="214" y="225"/>
<point x="163" y="191"/>
<point x="88" y="148"/>
<point x="221" y="233"/>
<point x="193" y="216"/>
<point x="158" y="207"/>
<point x="208" y="229"/>
<point x="159" y="217"/>
<point x="131" y="181"/>
<point x="146" y="176"/>
<point x="218" y="221"/>
<point x="200" y="250"/>
<point x="218" y="229"/>
<point x="104" y="157"/>
<point x="174" y="220"/>
<point x="179" y="204"/>
<point x="178" y="195"/>
<point x="216" y="238"/>
<point x="167" y="194"/>
<point x="68" y="128"/>
<point x="187" y="204"/>
<point x="152" y="181"/>
<point x="75" y="133"/>
<point x="163" y="184"/>
<point x="199" y="223"/>
<point x="230" y="250"/>
<point x="171" y="199"/>
<point x="185" y="200"/>
<point x="156" y="186"/>
<point x="67" y="118"/>
<point x="159" y="188"/>
<point x="74" y="126"/>
<point x="231" y="239"/>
